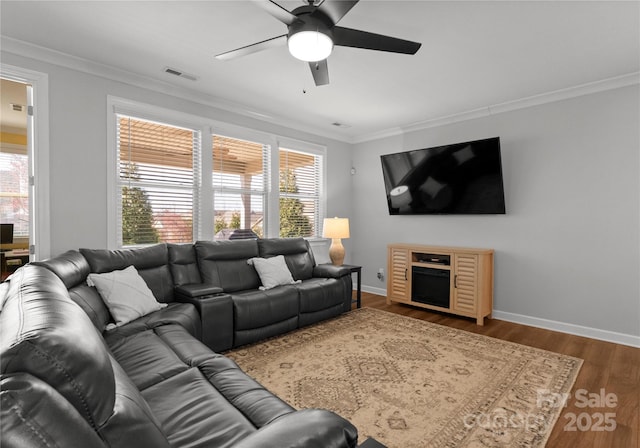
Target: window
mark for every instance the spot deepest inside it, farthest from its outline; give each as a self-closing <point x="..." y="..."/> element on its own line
<point x="158" y="175"/>
<point x="176" y="177"/>
<point x="240" y="181"/>
<point x="300" y="193"/>
<point x="14" y="190"/>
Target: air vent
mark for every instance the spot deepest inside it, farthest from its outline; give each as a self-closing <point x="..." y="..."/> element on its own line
<point x="16" y="107"/>
<point x="180" y="73"/>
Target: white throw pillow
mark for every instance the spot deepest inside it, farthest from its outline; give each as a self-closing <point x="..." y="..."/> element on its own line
<point x="272" y="271"/>
<point x="125" y="293"/>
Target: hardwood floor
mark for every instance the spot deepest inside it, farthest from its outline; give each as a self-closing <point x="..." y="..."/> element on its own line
<point x="608" y="368"/>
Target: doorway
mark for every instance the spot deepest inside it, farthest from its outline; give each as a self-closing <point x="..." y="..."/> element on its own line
<point x="15" y="174"/>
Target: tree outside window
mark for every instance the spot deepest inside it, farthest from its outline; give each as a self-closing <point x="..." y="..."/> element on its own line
<point x="293" y="222"/>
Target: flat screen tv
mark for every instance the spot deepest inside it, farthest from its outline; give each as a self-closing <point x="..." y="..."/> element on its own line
<point x="463" y="178"/>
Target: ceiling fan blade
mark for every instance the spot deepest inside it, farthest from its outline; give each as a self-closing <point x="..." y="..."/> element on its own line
<point x="253" y="48"/>
<point x="320" y="72"/>
<point x="277" y="11"/>
<point x="336" y="9"/>
<point x="347" y="37"/>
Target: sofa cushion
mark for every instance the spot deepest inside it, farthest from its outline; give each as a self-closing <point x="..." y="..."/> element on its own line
<point x="193" y="413"/>
<point x="321" y="299"/>
<point x="272" y="271"/>
<point x="151" y="262"/>
<point x="308" y="428"/>
<point x="320" y="293"/>
<point x="296" y="251"/>
<point x="255" y="308"/>
<point x="146" y="359"/>
<point x="183" y="314"/>
<point x="126" y="294"/>
<point x="262" y="314"/>
<point x="224" y="264"/>
<point x="260" y="406"/>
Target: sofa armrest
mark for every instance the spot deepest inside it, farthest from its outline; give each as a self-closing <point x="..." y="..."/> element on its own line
<point x="197" y="290"/>
<point x="308" y="428"/>
<point x="34" y="414"/>
<point x="216" y="313"/>
<point x="330" y="271"/>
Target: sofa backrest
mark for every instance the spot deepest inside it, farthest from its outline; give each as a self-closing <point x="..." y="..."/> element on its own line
<point x="183" y="263"/>
<point x="46" y="335"/>
<point x="151" y="262"/>
<point x="297" y="253"/>
<point x="73" y="268"/>
<point x="224" y="264"/>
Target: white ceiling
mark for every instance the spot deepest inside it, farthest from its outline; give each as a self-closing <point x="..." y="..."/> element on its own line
<point x="474" y="54"/>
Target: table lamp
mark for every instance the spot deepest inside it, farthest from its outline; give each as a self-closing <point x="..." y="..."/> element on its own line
<point x="336" y="228"/>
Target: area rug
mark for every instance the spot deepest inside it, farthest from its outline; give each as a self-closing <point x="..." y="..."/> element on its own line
<point x="414" y="384"/>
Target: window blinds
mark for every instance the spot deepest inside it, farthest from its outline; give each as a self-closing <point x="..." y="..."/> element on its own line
<point x="158" y="167"/>
<point x="300" y="188"/>
<point x="240" y="185"/>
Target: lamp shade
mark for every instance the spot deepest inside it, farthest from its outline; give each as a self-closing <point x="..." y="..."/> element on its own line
<point x="335" y="228"/>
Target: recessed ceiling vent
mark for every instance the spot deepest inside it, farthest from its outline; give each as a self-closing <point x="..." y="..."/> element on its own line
<point x="180" y="73"/>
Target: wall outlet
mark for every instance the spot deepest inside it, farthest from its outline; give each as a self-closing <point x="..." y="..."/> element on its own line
<point x="381" y="274"/>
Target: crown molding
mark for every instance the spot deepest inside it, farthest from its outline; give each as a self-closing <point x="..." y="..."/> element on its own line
<point x="55" y="57"/>
<point x="509" y="106"/>
<point x="25" y="49"/>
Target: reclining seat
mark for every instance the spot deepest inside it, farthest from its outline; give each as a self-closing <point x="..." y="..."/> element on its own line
<point x="324" y="291"/>
<point x="257" y="314"/>
<point x="73" y="268"/>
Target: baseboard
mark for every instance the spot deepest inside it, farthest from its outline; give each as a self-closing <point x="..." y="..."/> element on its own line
<point x="562" y="327"/>
<point x="373" y="290"/>
<point x="578" y="330"/>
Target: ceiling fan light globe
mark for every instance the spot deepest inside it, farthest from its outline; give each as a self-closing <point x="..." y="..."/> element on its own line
<point x="310" y="46"/>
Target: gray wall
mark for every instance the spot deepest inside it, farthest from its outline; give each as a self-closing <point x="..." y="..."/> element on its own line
<point x="78" y="149"/>
<point x="568" y="249"/>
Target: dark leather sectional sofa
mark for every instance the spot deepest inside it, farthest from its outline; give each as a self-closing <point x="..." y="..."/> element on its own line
<point x="158" y="381"/>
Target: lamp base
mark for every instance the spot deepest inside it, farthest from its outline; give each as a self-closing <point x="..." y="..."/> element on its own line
<point x="336" y="252"/>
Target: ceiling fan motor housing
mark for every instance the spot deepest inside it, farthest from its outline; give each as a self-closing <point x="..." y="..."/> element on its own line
<point x="310" y="19"/>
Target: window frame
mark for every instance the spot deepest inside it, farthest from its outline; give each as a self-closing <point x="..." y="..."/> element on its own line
<point x="203" y="203"/>
<point x="120" y="106"/>
<point x="285" y="143"/>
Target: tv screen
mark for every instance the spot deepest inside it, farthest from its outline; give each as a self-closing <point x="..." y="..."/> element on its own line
<point x="463" y="178"/>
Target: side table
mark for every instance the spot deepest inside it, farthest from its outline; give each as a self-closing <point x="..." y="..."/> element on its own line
<point x="358" y="271"/>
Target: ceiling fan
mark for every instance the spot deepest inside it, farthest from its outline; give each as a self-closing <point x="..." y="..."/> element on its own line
<point x="312" y="34"/>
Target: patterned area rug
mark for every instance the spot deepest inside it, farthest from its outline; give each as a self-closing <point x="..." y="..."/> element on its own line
<point x="410" y="383"/>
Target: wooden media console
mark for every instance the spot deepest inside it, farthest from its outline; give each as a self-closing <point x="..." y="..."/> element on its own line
<point x="451" y="279"/>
